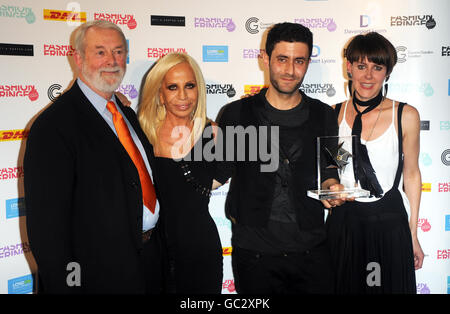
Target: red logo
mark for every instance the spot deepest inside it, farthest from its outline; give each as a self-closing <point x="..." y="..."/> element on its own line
<point x="19" y="91"/>
<point x="58" y="50"/>
<point x="11" y="173"/>
<point x="229" y="285"/>
<point x="117" y="18"/>
<point x="424" y="224"/>
<point x="444" y="187"/>
<point x="443" y="254"/>
<point x="161" y="52"/>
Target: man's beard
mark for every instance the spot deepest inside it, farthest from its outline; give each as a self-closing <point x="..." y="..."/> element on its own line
<point x="284" y="91"/>
<point x="97" y="81"/>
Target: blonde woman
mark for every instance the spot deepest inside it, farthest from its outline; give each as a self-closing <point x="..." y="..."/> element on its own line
<point x="172" y="114"/>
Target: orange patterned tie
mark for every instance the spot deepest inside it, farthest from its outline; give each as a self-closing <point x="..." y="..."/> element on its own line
<point x="148" y="190"/>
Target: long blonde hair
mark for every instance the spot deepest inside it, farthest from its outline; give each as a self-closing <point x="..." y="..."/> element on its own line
<point x="151" y="112"/>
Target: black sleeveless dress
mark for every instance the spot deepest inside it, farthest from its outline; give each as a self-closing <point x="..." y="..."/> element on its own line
<point x="362" y="234"/>
<point x="193" y="250"/>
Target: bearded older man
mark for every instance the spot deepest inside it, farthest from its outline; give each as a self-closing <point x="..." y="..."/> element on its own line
<point x="92" y="210"/>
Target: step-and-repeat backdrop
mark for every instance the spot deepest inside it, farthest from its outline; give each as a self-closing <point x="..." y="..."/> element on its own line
<point x="226" y="38"/>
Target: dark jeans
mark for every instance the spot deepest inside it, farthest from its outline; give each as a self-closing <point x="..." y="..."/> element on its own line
<point x="308" y="272"/>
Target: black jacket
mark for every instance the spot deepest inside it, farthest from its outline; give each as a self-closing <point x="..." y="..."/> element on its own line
<point x="251" y="191"/>
<point x="84" y="199"/>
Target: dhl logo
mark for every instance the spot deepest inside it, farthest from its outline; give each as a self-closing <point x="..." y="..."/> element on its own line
<point x="426" y="187"/>
<point x="58" y="15"/>
<point x="13" y="135"/>
<point x="226" y="251"/>
<point x="253" y="89"/>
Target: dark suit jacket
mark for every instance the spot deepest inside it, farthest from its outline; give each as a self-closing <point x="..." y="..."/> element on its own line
<point x="83" y="199"/>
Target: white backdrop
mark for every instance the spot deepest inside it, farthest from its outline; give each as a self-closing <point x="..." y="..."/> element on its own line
<point x="225" y="37"/>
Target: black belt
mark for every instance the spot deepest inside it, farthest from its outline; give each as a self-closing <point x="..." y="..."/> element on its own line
<point x="147" y="235"/>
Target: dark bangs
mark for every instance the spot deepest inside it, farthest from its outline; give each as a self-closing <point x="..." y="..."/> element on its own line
<point x="375" y="47"/>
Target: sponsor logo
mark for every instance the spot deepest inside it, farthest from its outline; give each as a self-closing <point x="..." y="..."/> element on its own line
<point x="20" y="285"/>
<point x="166" y="20"/>
<point x="213" y="89"/>
<point x="14" y="250"/>
<point x="222" y="222"/>
<point x="226" y="251"/>
<point x="446" y="51"/>
<point x="444" y="187"/>
<point x="252" y="53"/>
<point x="129" y="90"/>
<point x="53" y="92"/>
<point x="253" y="89"/>
<point x="364" y="22"/>
<point x="426" y="187"/>
<point x="11" y="173"/>
<point x="445" y="157"/>
<point x="413" y="20"/>
<point x="447" y="222"/>
<point x="253" y="25"/>
<point x="13" y="135"/>
<point x="161" y="52"/>
<point x="422" y="288"/>
<point x="403" y="53"/>
<point x="425" y="125"/>
<point x="117" y="18"/>
<point x="16" y="50"/>
<point x="229" y="285"/>
<point x="425" y="159"/>
<point x="215" y="53"/>
<point x="318" y="88"/>
<point x="315" y="53"/>
<point x="444" y="125"/>
<point x="19" y="91"/>
<point x="214" y="22"/>
<point x="423" y="224"/>
<point x="58" y="50"/>
<point x="443" y="254"/>
<point x="64" y="16"/>
<point x="408" y="88"/>
<point x="326" y="22"/>
<point x="17" y="12"/>
<point x="15" y="207"/>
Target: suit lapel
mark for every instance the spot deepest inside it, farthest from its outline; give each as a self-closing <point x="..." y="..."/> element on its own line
<point x="103" y="130"/>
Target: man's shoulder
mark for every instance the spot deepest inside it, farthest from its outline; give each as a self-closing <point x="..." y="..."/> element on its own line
<point x="233" y="109"/>
<point x="58" y="112"/>
<point x="318" y="105"/>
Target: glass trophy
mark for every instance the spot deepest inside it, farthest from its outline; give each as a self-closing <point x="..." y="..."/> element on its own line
<point x="335" y="152"/>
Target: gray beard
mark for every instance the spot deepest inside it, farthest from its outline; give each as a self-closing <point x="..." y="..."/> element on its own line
<point x="95" y="79"/>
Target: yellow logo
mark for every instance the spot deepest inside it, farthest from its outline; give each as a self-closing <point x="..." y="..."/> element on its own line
<point x="426" y="187"/>
<point x="226" y="251"/>
<point x="59" y="15"/>
<point x="253" y="89"/>
<point x="13" y="135"/>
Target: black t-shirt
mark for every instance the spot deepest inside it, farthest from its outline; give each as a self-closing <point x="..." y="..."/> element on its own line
<point x="282" y="233"/>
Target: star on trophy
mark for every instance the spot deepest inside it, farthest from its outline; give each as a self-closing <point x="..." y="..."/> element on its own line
<point x="335" y="152"/>
<point x="337" y="157"/>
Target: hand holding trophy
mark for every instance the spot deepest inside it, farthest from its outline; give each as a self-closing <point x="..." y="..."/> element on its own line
<point x="336" y="152"/>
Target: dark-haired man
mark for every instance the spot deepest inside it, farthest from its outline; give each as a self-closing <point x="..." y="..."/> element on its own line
<point x="278" y="232"/>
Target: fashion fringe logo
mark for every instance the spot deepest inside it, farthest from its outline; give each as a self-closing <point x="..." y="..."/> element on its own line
<point x="117" y="18"/>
